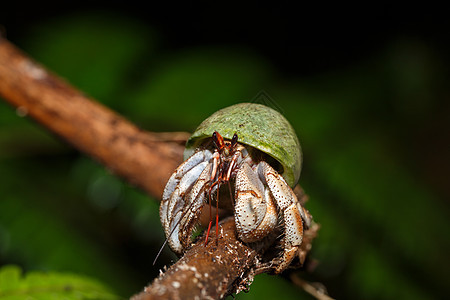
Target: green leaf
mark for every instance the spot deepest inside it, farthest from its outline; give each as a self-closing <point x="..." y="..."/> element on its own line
<point x="49" y="285"/>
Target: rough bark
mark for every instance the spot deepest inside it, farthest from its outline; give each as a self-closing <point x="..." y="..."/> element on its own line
<point x="144" y="159"/>
<point x="223" y="267"/>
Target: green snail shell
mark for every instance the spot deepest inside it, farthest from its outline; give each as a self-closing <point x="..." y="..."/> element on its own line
<point x="258" y="126"/>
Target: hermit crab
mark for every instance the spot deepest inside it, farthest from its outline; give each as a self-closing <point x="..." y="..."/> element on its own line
<point x="253" y="151"/>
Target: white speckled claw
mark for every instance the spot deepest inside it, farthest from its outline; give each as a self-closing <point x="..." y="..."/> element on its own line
<point x="255" y="212"/>
<point x="260" y="194"/>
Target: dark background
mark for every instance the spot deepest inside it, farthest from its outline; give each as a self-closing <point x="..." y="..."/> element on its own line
<point x="366" y="89"/>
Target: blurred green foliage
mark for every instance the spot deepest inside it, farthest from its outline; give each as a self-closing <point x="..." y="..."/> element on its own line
<point x="37" y="285"/>
<point x="365" y="130"/>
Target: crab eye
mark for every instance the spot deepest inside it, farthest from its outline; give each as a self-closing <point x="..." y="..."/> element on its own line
<point x="234" y="140"/>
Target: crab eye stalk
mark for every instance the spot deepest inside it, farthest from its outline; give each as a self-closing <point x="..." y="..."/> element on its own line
<point x="218" y="140"/>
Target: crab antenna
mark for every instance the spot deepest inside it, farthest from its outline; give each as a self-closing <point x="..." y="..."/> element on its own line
<point x="168" y="237"/>
<point x="217" y="215"/>
<point x="210" y="207"/>
<point x="170" y="234"/>
<point x="160" y="250"/>
<point x="210" y="213"/>
<point x="231" y="194"/>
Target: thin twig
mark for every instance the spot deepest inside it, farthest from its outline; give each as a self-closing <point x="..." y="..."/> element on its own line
<point x="311" y="288"/>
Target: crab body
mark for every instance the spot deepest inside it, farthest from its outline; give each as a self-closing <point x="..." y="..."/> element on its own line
<point x="259" y="176"/>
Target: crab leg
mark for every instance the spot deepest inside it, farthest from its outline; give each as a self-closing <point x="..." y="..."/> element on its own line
<point x="195" y="200"/>
<point x="174" y="180"/>
<point x="172" y="203"/>
<point x="287" y="202"/>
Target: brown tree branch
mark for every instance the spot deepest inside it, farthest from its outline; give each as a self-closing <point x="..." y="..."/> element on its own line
<point x="201" y="271"/>
<point x="143" y="158"/>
